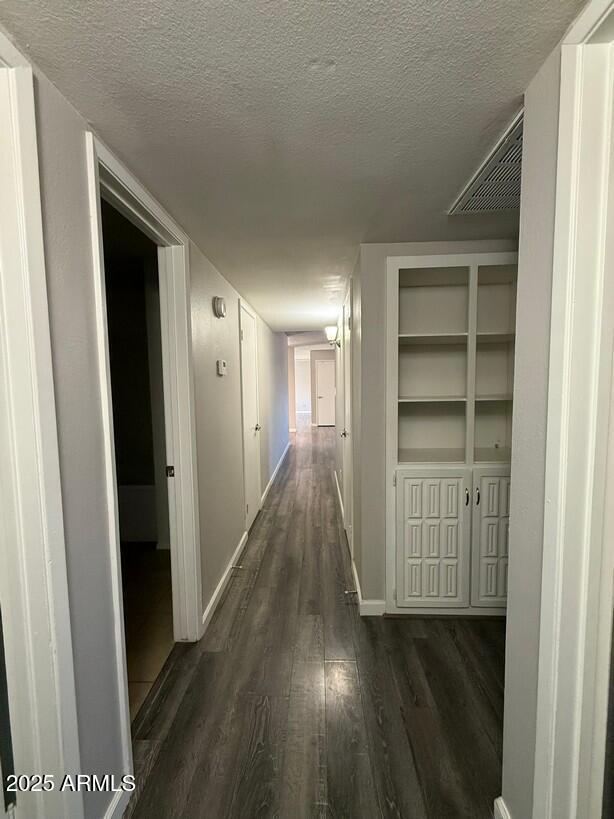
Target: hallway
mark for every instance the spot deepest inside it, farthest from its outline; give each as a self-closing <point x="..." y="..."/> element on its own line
<point x="292" y="705"/>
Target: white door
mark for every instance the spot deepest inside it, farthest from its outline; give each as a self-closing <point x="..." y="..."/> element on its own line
<point x="433" y="530"/>
<point x="325" y="393"/>
<point x="491" y="520"/>
<point x="251" y="424"/>
<point x="348" y="497"/>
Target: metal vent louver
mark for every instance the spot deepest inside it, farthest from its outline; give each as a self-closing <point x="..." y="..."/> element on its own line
<point x="496" y="185"/>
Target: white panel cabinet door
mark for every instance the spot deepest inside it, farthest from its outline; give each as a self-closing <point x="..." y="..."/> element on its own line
<point x="433" y="531"/>
<point x="491" y="512"/>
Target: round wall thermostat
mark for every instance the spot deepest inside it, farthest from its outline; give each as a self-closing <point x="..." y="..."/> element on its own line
<point x="219" y="307"/>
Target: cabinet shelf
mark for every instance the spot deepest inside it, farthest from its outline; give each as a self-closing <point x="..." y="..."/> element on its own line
<point x="502" y="454"/>
<point x="495" y="397"/>
<point x="432" y="399"/>
<point x="432" y="338"/>
<point x="495" y="338"/>
<point x="433" y="455"/>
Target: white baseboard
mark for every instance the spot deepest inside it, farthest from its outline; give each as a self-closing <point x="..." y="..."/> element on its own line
<point x="275" y="471"/>
<point x="118" y="805"/>
<point x="501" y="811"/>
<point x="367" y="608"/>
<point x="339" y="495"/>
<point x="372" y="608"/>
<point x="219" y="589"/>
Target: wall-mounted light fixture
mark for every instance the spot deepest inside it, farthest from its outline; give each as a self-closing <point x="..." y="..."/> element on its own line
<point x="219" y="307"/>
<point x="331" y="335"/>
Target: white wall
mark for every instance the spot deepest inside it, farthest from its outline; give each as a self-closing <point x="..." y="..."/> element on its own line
<point x="291" y="390"/>
<point x="529" y="434"/>
<point x="272" y="398"/>
<point x="68" y="257"/>
<point x="218" y="420"/>
<point x="219" y="429"/>
<point x="339" y="406"/>
<point x="302" y="376"/>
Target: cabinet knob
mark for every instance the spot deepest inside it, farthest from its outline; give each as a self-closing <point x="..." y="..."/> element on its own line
<point x="466" y="497"/>
<point x="477" y="496"/>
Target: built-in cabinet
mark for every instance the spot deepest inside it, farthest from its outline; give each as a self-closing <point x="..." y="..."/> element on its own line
<point x="451" y="326"/>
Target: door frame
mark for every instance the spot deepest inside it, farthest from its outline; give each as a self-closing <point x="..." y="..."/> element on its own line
<point x="320" y="361"/>
<point x="577" y="589"/>
<point x="347" y="454"/>
<point x="110" y="180"/>
<point x="40" y="670"/>
<point x="243" y="305"/>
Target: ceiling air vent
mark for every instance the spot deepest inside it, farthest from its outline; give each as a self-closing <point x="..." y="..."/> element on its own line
<point x="496" y="185"/>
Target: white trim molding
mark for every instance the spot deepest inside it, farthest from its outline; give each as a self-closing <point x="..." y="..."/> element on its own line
<point x="576" y="609"/>
<point x="501" y="811"/>
<point x="110" y="180"/>
<point x="368" y="607"/>
<point x="219" y="589"/>
<point x="118" y="805"/>
<point x="339" y="494"/>
<point x="33" y="573"/>
<point x="274" y="475"/>
<point x="371" y="607"/>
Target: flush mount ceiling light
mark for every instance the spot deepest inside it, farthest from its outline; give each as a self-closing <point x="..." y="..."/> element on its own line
<point x="331" y="335"/>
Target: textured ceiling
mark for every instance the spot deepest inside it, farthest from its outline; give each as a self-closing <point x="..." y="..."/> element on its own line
<point x="282" y="133"/>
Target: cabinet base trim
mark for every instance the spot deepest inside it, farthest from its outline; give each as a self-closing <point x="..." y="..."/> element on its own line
<point x="368" y="607"/>
<point x="435" y="611"/>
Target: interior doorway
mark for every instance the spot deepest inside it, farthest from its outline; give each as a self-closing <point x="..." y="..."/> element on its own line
<point x="251" y="412"/>
<point x="325" y="392"/>
<point x="137" y="391"/>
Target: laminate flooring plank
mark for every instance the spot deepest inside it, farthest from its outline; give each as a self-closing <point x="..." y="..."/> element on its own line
<point x="256" y="791"/>
<point x="483" y="666"/>
<point x="162" y="703"/>
<point x="144" y="754"/>
<point x="349" y="782"/>
<point x="480" y="768"/>
<point x="310" y="601"/>
<point x="309" y="644"/>
<point x="303" y="783"/>
<point x="392" y="759"/>
<point x="336" y="605"/>
<point x="194" y="742"/>
<point x="471" y="683"/>
<point x="445" y="792"/>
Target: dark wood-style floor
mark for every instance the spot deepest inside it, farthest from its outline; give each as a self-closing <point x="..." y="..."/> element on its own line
<point x="294" y="706"/>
